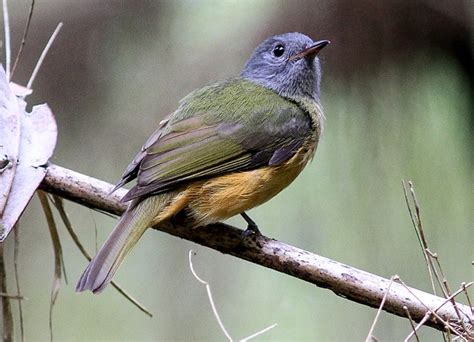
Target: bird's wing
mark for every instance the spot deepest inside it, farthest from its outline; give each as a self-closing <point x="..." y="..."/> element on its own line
<point x="197" y="143"/>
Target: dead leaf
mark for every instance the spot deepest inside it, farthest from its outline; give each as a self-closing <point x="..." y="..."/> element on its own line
<point x="58" y="256"/>
<point x="19" y="90"/>
<point x="38" y="134"/>
<point x="9" y="138"/>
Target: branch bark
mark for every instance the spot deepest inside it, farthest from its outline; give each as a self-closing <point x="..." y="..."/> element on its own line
<point x="345" y="281"/>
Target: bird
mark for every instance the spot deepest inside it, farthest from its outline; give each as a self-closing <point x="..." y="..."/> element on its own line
<point x="228" y="147"/>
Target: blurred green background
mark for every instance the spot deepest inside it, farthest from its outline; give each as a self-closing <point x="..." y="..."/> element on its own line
<point x="397" y="92"/>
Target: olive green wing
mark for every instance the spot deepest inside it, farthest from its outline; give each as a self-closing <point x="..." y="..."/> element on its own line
<point x="201" y="142"/>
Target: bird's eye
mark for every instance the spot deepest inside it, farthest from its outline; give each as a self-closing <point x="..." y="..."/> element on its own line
<point x="278" y="50"/>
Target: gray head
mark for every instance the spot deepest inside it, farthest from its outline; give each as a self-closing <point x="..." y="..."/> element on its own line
<point x="287" y="64"/>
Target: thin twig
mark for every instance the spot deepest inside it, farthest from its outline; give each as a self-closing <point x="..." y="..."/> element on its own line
<point x="440" y="268"/>
<point x="453" y="302"/>
<point x="16" y="248"/>
<point x="412" y="324"/>
<point x="23" y="38"/>
<point x="418" y="326"/>
<point x="209" y="295"/>
<point x="96" y="236"/>
<point x="58" y="203"/>
<point x="441" y="278"/>
<point x="434" y="269"/>
<point x="258" y="333"/>
<point x="12" y="296"/>
<point x="447" y="336"/>
<point x="427" y="254"/>
<point x="464" y="288"/>
<point x="8" y="327"/>
<point x="8" y="51"/>
<point x="457" y="309"/>
<point x="415" y="226"/>
<point x="43" y="55"/>
<point x="130" y="298"/>
<point x="452" y="296"/>
<point x="429" y="312"/>
<point x="425" y="240"/>
<point x="216" y="314"/>
<point x="382" y="303"/>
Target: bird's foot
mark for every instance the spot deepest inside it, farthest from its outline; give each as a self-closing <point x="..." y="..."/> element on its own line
<point x="252" y="228"/>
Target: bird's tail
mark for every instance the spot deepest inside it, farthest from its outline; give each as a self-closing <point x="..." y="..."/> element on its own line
<point x="125" y="235"/>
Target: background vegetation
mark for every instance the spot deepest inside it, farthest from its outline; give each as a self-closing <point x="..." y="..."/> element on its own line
<point x="397" y="92"/>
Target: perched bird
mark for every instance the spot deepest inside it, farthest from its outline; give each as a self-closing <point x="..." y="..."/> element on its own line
<point x="229" y="147"/>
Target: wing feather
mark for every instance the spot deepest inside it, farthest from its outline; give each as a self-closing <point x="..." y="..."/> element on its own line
<point x="197" y="141"/>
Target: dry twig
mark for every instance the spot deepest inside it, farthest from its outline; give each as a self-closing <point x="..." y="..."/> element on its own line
<point x="463" y="325"/>
<point x="6" y="28"/>
<point x="345" y="281"/>
<point x="16" y="236"/>
<point x="464" y="288"/>
<point x="412" y="324"/>
<point x="213" y="306"/>
<point x="433" y="313"/>
<point x="23" y="38"/>
<point x="209" y="295"/>
<point x="8" y="327"/>
<point x="43" y="55"/>
<point x="12" y="296"/>
<point x="371" y="330"/>
<point x="416" y="221"/>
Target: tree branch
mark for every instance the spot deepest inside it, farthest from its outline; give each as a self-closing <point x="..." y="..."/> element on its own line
<point x="343" y="280"/>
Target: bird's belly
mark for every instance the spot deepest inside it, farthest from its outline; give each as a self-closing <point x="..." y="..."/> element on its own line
<point x="222" y="197"/>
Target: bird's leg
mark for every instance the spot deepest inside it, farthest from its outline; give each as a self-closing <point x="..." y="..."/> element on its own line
<point x="252" y="227"/>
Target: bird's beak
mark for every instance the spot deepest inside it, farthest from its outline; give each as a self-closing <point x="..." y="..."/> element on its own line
<point x="312" y="51"/>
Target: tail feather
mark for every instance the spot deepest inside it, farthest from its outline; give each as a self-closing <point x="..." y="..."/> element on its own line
<point x="125" y="235"/>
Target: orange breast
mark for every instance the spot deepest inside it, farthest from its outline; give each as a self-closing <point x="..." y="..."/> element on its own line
<point x="221" y="197"/>
<point x="225" y="196"/>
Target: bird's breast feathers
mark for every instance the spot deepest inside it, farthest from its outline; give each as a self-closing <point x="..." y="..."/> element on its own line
<point x="222" y="197"/>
